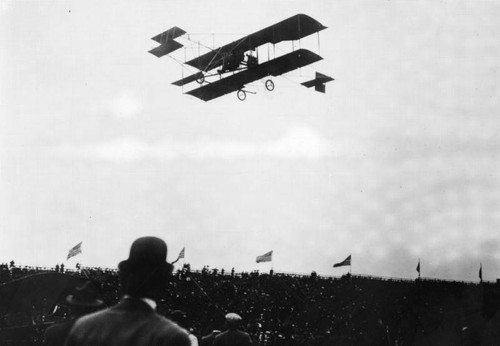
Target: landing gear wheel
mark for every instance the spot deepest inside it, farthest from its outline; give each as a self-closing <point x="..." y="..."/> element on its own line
<point x="269" y="85"/>
<point x="242" y="95"/>
<point x="200" y="79"/>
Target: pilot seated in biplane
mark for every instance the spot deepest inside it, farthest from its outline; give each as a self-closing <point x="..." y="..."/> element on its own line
<point x="231" y="62"/>
<point x="251" y="61"/>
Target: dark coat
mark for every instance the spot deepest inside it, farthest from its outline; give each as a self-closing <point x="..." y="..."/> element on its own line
<point x="56" y="334"/>
<point x="208" y="340"/>
<point x="233" y="337"/>
<point x="129" y="323"/>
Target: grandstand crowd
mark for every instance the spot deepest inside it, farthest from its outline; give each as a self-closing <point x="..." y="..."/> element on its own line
<point x="279" y="309"/>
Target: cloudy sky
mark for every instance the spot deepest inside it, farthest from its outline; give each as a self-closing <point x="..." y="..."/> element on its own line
<point x="397" y="161"/>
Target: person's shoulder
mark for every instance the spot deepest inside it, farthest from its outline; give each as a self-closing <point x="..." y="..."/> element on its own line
<point x="244" y="334"/>
<point x="58" y="326"/>
<point x="245" y="337"/>
<point x="237" y="332"/>
<point x="221" y="335"/>
<point x="193" y="340"/>
<point x="53" y="328"/>
<point x="172" y="331"/>
<point x="57" y="330"/>
<point x="235" y="335"/>
<point x="92" y="318"/>
<point x="57" y="333"/>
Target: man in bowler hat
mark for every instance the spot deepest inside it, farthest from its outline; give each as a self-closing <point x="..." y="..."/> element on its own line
<point x="233" y="336"/>
<point x="134" y="321"/>
<point x="83" y="300"/>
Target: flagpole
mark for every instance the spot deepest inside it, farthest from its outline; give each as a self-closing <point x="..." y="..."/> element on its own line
<point x="419" y="269"/>
<point x="480" y="272"/>
<point x="272" y="262"/>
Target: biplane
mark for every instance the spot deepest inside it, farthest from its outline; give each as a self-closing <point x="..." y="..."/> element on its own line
<point x="233" y="66"/>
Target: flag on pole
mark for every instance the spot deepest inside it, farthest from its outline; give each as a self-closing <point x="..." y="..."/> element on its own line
<point x="481" y="272"/>
<point x="267" y="257"/>
<point x="75" y="250"/>
<point x="418" y="267"/>
<point x="346" y="262"/>
<point x="181" y="255"/>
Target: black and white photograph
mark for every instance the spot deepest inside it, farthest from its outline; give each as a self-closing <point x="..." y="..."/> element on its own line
<point x="267" y="173"/>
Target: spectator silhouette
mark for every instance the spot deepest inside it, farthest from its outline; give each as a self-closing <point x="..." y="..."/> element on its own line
<point x="208" y="340"/>
<point x="134" y="321"/>
<point x="83" y="301"/>
<point x="233" y="336"/>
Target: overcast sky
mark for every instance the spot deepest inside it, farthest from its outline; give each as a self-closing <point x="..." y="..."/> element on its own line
<point x="397" y="161"/>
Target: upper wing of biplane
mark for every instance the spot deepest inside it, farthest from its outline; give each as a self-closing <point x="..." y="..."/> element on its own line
<point x="293" y="28"/>
<point x="237" y="81"/>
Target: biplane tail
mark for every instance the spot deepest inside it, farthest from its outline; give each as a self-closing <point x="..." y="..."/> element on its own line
<point x="319" y="83"/>
<point x="166" y="41"/>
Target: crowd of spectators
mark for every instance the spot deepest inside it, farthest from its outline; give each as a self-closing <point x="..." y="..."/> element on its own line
<point x="279" y="309"/>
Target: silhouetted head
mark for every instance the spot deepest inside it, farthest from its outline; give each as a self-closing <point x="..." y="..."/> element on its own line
<point x="146" y="271"/>
<point x="85" y="299"/>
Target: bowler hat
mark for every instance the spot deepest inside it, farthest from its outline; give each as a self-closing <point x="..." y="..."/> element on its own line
<point x="233" y="318"/>
<point x="146" y="253"/>
<point x="85" y="295"/>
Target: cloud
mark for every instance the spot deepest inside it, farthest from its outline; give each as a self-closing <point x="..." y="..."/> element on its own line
<point x="5" y="6"/>
<point x="126" y="105"/>
<point x="297" y="142"/>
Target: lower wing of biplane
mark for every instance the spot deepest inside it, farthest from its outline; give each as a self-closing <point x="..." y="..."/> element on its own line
<point x="237" y="81"/>
<point x="233" y="66"/>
